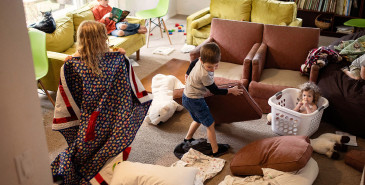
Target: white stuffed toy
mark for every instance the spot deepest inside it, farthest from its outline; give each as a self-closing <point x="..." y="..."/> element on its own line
<point x="163" y="106"/>
<point x="329" y="144"/>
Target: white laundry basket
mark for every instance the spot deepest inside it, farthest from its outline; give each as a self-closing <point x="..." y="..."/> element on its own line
<point x="286" y="121"/>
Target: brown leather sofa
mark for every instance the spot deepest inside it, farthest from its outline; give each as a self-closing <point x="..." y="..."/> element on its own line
<point x="238" y="41"/>
<point x="276" y="65"/>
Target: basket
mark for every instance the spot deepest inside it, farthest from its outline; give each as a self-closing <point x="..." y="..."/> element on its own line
<point x="286" y="121"/>
<point x="323" y="23"/>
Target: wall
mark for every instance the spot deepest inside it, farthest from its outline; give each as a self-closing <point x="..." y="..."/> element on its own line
<point x="188" y="7"/>
<point x="184" y="7"/>
<point x="22" y="132"/>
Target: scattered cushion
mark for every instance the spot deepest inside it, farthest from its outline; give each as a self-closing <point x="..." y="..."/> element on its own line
<point x="284" y="153"/>
<point x="304" y="176"/>
<point x="355" y="159"/>
<point x="229" y="70"/>
<point x="355" y="48"/>
<point x="146" y="174"/>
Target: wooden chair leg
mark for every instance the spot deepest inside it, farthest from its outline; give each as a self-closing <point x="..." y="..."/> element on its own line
<point x="48" y="95"/>
<point x="137" y="55"/>
<point x="149" y="32"/>
<point x="167" y="32"/>
<point x="159" y="25"/>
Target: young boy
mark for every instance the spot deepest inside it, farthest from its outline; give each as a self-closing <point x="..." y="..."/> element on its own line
<point x="357" y="68"/>
<point x="200" y="78"/>
<point x="102" y="14"/>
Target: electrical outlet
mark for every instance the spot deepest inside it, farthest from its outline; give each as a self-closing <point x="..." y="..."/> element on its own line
<point x="24" y="166"/>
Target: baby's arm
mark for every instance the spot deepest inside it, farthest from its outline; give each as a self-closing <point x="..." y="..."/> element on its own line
<point x="362" y="72"/>
<point x="297" y="108"/>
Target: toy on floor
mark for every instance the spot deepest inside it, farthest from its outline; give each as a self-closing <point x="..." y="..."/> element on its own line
<point x="163" y="106"/>
<point x="329" y="144"/>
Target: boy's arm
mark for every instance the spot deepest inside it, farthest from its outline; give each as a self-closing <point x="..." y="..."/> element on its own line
<point x="191" y="66"/>
<point x="215" y="90"/>
<point x="100" y="18"/>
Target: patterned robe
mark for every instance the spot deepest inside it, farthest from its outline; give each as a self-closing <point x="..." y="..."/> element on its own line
<point x="99" y="115"/>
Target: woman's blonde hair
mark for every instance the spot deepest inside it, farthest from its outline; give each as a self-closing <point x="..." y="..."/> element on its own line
<point x="312" y="87"/>
<point x="92" y="43"/>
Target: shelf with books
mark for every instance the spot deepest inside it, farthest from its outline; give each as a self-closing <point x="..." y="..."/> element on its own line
<point x="340" y="12"/>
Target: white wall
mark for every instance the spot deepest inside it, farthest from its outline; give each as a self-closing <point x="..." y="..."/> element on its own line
<point x="184" y="7"/>
<point x="188" y="7"/>
<point x="22" y="130"/>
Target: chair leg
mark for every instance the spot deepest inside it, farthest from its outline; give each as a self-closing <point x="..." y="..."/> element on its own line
<point x="45" y="90"/>
<point x="149" y="32"/>
<point x="164" y="25"/>
<point x="159" y="25"/>
<point x="137" y="55"/>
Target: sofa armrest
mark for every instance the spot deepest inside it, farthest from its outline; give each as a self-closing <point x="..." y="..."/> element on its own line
<point x="195" y="53"/>
<point x="297" y="22"/>
<point x="313" y="76"/>
<point x="136" y="20"/>
<point x="258" y="62"/>
<point x="189" y="21"/>
<point x="248" y="61"/>
<point x="55" y="62"/>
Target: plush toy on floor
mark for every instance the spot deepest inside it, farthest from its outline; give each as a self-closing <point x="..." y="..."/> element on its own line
<point x="329" y="144"/>
<point x="163" y="106"/>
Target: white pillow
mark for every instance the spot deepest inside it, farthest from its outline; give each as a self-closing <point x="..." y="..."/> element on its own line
<point x="127" y="173"/>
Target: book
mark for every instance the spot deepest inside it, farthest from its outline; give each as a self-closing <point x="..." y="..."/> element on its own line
<point x="118" y="14"/>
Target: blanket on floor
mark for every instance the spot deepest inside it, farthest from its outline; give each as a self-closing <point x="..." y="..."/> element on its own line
<point x="99" y="115"/>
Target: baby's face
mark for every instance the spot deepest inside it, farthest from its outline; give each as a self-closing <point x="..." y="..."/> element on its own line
<point x="307" y="97"/>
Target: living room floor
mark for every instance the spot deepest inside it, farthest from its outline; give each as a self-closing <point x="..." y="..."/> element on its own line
<point x="155" y="144"/>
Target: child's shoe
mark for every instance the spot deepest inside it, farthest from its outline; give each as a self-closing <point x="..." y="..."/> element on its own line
<point x="222" y="149"/>
<point x="189" y="140"/>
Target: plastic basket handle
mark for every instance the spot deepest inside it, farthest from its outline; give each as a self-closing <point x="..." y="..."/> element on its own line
<point x="278" y="95"/>
<point x="320" y="108"/>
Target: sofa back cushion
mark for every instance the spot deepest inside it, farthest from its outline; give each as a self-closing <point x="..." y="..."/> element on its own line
<point x="63" y="37"/>
<point x="231" y="9"/>
<point x="273" y="12"/>
<point x="235" y="38"/>
<point x="288" y="47"/>
<point x="82" y="14"/>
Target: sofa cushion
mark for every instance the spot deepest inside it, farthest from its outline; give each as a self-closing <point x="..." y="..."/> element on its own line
<point x="231" y="9"/>
<point x="82" y="15"/>
<point x="282" y="77"/>
<point x="273" y="12"/>
<point x="63" y="37"/>
<point x="229" y="71"/>
<point x="202" y="32"/>
<point x="284" y="153"/>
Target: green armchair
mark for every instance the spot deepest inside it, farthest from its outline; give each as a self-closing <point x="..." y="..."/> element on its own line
<point x="259" y="11"/>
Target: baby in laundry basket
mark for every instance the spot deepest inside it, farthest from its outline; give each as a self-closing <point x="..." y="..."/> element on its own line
<point x="308" y="98"/>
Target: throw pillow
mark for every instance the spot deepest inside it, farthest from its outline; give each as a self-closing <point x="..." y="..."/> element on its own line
<point x="284" y="153"/>
<point x="63" y="37"/>
<point x="273" y="12"/>
<point x="355" y="48"/>
<point x="231" y="9"/>
<point x="147" y="174"/>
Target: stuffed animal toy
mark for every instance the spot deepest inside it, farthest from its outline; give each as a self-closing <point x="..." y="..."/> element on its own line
<point x="163" y="106"/>
<point x="329" y="144"/>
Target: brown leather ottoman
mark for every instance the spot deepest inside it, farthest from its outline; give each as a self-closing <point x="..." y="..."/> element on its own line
<point x="355" y="159"/>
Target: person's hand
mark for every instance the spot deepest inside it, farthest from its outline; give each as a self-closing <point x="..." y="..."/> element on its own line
<point x="121" y="51"/>
<point x="68" y="58"/>
<point x="124" y="20"/>
<point x="235" y="91"/>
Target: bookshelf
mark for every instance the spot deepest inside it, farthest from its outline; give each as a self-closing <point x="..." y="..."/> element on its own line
<point x="334" y="10"/>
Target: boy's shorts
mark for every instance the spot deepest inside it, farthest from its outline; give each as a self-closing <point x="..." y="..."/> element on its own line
<point x="198" y="110"/>
<point x="130" y="30"/>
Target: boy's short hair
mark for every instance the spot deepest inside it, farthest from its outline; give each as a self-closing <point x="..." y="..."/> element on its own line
<point x="210" y="53"/>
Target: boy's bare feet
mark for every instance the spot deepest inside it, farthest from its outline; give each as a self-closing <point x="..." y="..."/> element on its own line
<point x="123" y="26"/>
<point x="142" y="30"/>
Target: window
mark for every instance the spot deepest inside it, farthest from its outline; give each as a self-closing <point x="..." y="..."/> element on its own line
<point x="33" y="8"/>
